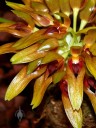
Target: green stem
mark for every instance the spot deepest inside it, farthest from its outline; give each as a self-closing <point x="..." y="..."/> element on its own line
<point x="75" y="14"/>
<point x="82" y="24"/>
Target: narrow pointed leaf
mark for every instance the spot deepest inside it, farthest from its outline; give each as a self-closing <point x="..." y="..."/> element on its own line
<point x="75" y="88"/>
<point x="74" y="116"/>
<point x="20" y="81"/>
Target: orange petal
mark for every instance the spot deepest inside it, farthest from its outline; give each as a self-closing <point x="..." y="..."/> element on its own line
<point x="7" y="48"/>
<point x="39" y="90"/>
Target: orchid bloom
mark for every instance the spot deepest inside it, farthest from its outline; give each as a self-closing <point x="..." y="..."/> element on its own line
<point x="57" y="42"/>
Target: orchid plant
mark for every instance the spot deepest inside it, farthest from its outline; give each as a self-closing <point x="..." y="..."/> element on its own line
<point x="56" y="40"/>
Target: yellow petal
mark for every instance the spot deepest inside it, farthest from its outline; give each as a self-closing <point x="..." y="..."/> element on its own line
<point x="54" y="8"/>
<point x="89" y="41"/>
<point x="74" y="116"/>
<point x="85" y="16"/>
<point x="25" y="16"/>
<point x="57" y="76"/>
<point x="65" y="9"/>
<point x="49" y="44"/>
<point x="29" y="57"/>
<point x="29" y="40"/>
<point x="33" y="65"/>
<point x="37" y="87"/>
<point x="51" y="56"/>
<point x="20" y="81"/>
<point x="75" y="88"/>
<point x="92" y="41"/>
<point x="91" y="64"/>
<point x="24" y="53"/>
<point x="20" y="7"/>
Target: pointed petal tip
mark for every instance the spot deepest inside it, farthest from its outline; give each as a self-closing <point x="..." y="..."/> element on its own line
<point x="76" y="107"/>
<point x="34" y="106"/>
<point x="7" y="98"/>
<point x="32" y="103"/>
